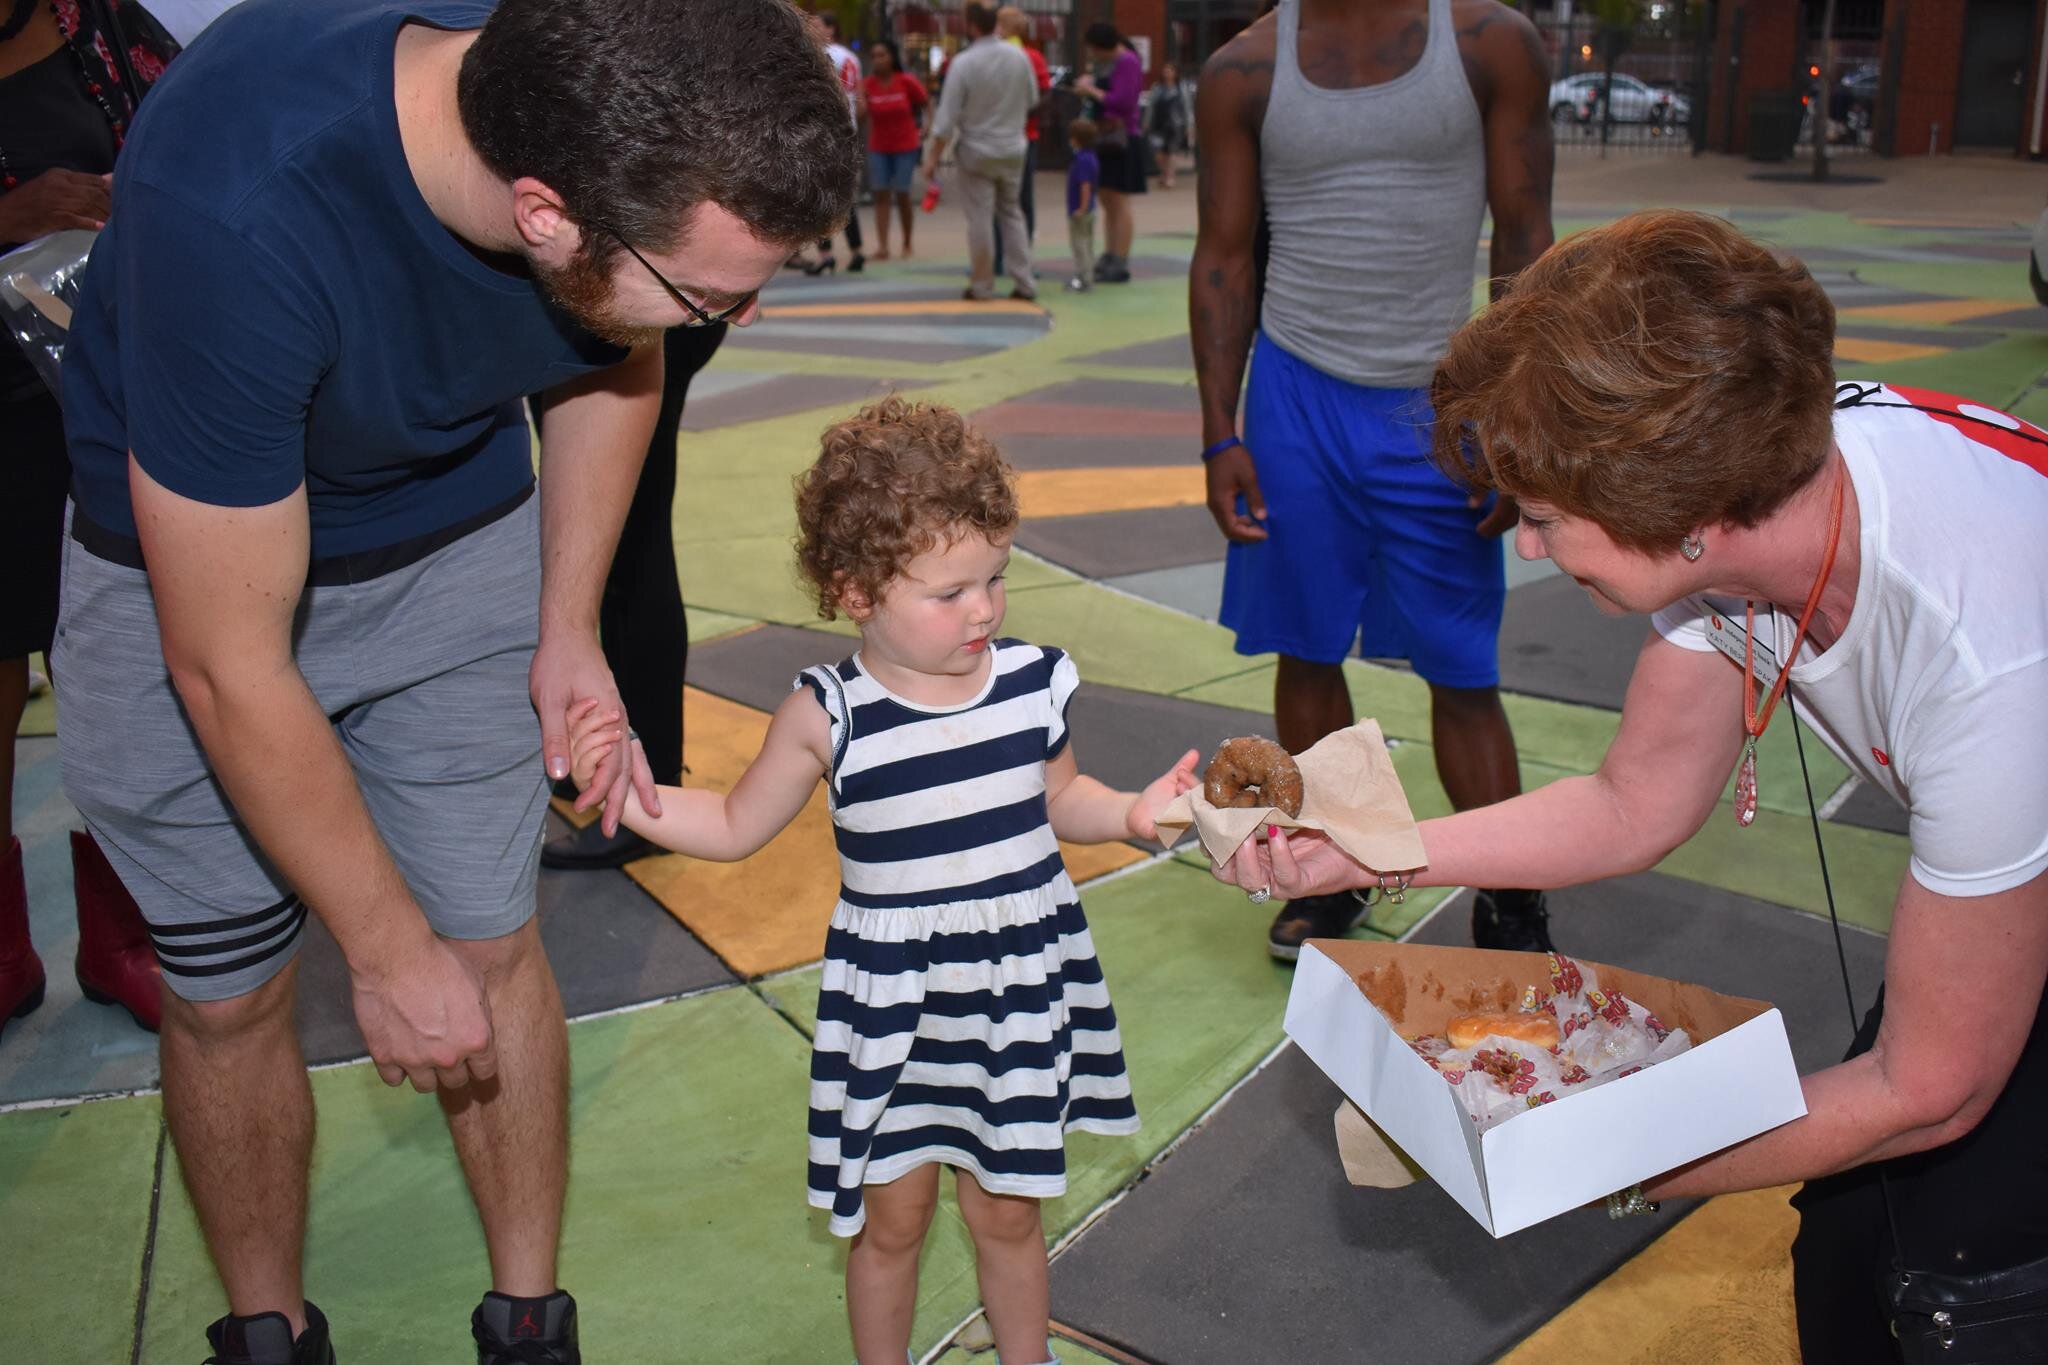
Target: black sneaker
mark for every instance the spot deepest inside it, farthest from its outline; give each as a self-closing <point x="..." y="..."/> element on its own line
<point x="1312" y="917"/>
<point x="1518" y="921"/>
<point x="589" y="849"/>
<point x="511" y="1331"/>
<point x="266" y="1339"/>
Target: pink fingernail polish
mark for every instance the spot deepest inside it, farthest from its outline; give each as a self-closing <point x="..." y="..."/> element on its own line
<point x="1272" y="830"/>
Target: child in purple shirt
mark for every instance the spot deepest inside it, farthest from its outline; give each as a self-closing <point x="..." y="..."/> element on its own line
<point x="1084" y="178"/>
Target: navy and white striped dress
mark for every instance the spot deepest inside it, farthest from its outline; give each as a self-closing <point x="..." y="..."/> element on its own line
<point x="964" y="1018"/>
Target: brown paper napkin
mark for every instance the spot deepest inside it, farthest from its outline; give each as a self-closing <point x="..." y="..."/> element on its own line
<point x="1369" y="1155"/>
<point x="1350" y="791"/>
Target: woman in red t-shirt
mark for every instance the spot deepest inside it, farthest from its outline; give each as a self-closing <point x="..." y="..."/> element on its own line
<point x="895" y="102"/>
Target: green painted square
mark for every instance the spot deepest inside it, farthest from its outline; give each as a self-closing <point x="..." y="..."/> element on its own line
<point x="75" y="1189"/>
<point x="750" y="576"/>
<point x="1773" y="860"/>
<point x="1124" y="642"/>
<point x="707" y="625"/>
<point x="1998" y="373"/>
<point x="754" y="578"/>
<point x="39" y="717"/>
<point x="794" y="995"/>
<point x="2032" y="407"/>
<point x="1954" y="279"/>
<point x="686" y="1209"/>
<point x="1198" y="1001"/>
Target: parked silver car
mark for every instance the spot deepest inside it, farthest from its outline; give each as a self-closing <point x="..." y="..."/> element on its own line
<point x="1577" y="99"/>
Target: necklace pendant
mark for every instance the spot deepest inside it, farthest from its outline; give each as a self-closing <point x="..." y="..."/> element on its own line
<point x="1745" y="786"/>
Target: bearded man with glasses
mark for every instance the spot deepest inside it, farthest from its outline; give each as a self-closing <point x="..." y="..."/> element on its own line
<point x="309" y="579"/>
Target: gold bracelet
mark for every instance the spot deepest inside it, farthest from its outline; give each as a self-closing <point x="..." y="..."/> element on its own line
<point x="1397" y="894"/>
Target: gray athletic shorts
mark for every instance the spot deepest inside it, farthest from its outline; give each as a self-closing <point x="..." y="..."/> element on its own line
<point x="423" y="671"/>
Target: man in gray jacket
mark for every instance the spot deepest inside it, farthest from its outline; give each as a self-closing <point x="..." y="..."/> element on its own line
<point x="989" y="92"/>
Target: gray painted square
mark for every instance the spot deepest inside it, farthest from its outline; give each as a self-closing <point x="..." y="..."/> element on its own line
<point x="609" y="942"/>
<point x="1247" y="1244"/>
<point x="1872" y="809"/>
<point x="1554" y="643"/>
<point x="1122" y="394"/>
<point x="1194" y="589"/>
<point x="1105" y="544"/>
<point x="1168" y="352"/>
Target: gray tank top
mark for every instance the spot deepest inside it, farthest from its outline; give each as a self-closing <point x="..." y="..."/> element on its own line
<point x="1375" y="197"/>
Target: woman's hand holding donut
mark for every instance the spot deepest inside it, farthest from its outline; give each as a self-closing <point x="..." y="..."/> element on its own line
<point x="1143" y="819"/>
<point x="1307" y="864"/>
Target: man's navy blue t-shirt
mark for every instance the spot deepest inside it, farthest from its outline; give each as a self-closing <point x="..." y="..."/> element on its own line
<point x="272" y="303"/>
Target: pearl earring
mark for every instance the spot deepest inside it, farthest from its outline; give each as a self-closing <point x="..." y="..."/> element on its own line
<point x="1692" y="548"/>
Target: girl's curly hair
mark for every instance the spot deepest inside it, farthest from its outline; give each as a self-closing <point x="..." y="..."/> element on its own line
<point x="891" y="482"/>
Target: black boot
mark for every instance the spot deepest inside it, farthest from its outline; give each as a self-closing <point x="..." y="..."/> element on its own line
<point x="511" y="1331"/>
<point x="1518" y="921"/>
<point x="1310" y="917"/>
<point x="588" y="849"/>
<point x="266" y="1339"/>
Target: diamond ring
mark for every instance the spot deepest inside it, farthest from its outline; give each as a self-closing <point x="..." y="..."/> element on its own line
<point x="1260" y="896"/>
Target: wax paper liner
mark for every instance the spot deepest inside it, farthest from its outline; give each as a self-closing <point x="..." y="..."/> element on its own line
<point x="1350" y="792"/>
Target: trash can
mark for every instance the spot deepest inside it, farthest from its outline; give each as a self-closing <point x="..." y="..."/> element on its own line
<point x="1774" y="117"/>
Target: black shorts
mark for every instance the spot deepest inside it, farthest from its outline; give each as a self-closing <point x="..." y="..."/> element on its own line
<point x="33" y="475"/>
<point x="1980" y="1203"/>
<point x="1123" y="167"/>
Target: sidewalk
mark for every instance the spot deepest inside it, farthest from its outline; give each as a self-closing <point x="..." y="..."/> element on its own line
<point x="1975" y="188"/>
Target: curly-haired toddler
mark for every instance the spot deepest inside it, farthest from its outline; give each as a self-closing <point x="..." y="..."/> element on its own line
<point x="964" y="1020"/>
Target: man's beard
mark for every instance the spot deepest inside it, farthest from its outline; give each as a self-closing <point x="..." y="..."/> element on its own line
<point x="583" y="290"/>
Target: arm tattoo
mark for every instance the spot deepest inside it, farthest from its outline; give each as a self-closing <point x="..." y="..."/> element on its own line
<point x="1224" y="64"/>
<point x="1484" y="22"/>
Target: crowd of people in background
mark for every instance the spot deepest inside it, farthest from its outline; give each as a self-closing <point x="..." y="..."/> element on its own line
<point x="1137" y="128"/>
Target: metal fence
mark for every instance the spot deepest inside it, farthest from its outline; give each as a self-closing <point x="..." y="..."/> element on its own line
<point x="1639" y="90"/>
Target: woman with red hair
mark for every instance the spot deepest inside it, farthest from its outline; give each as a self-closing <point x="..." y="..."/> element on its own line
<point x="1658" y="396"/>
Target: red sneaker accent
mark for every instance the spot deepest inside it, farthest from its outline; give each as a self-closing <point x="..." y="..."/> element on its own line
<point x="21" y="971"/>
<point x="527" y="1326"/>
<point x="1884" y="760"/>
<point x="116" y="965"/>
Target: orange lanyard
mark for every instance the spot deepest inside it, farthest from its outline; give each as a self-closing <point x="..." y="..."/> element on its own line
<point x="1755" y="718"/>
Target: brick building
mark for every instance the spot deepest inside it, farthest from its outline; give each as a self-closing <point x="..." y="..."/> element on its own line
<point x="1950" y="73"/>
<point x="1935" y="74"/>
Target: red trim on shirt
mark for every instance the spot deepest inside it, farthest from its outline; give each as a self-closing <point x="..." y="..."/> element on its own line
<point x="2033" y="454"/>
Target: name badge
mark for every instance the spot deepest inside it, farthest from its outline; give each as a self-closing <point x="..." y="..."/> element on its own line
<point x="1731" y="639"/>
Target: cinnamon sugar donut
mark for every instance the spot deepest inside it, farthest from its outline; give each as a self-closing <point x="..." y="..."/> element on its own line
<point x="1250" y="772"/>
<point x="1467" y="1030"/>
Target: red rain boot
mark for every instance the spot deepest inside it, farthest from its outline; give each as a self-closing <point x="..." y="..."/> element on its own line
<point x="21" y="971"/>
<point x="116" y="965"/>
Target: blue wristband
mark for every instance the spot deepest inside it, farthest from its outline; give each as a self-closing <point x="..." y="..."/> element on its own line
<point x="1225" y="444"/>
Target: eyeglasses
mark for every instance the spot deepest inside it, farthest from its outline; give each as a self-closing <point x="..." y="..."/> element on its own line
<point x="699" y="318"/>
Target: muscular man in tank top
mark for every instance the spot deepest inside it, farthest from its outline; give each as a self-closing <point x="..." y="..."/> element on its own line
<point x="1373" y="135"/>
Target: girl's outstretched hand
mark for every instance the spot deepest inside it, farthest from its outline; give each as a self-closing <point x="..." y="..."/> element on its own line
<point x="592" y="735"/>
<point x="1144" y="817"/>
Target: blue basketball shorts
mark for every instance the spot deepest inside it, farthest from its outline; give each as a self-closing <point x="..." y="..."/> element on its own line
<point x="1369" y="547"/>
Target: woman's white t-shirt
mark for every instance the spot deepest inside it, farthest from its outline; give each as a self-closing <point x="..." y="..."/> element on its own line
<point x="1937" y="692"/>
